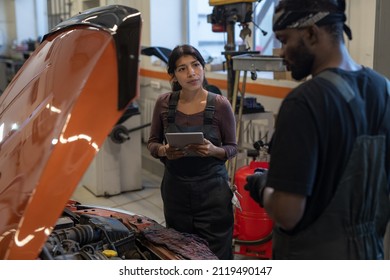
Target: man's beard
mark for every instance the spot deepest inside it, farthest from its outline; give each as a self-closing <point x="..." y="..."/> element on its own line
<point x="302" y="62"/>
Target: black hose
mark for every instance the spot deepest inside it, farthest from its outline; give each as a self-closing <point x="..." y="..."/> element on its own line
<point x="254" y="242"/>
<point x="138" y="127"/>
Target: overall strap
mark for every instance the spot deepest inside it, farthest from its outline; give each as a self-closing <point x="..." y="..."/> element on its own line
<point x="386" y="116"/>
<point x="355" y="103"/>
<point x="210" y="109"/>
<point x="173" y="100"/>
<point x="208" y="112"/>
<point x="388" y="87"/>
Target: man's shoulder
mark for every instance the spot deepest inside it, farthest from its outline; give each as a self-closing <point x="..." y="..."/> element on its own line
<point x="374" y="75"/>
<point x="311" y="86"/>
<point x="363" y="73"/>
<point x="320" y="83"/>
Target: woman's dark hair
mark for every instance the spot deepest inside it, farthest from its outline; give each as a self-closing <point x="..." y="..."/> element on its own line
<point x="177" y="53"/>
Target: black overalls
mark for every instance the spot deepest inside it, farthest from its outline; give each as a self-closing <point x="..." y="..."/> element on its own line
<point x="354" y="223"/>
<point x="195" y="190"/>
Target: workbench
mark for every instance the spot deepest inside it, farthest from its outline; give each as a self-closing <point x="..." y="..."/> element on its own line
<point x="253" y="63"/>
<point x="250" y="63"/>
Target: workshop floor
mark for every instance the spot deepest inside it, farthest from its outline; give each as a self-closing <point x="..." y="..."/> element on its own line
<point x="146" y="201"/>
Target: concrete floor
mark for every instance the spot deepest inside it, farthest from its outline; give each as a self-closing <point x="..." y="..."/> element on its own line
<point x="146" y="201"/>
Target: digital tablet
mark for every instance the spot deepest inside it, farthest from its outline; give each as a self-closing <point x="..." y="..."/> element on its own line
<point x="182" y="139"/>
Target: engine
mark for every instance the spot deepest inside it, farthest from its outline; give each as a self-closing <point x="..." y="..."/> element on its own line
<point x="90" y="238"/>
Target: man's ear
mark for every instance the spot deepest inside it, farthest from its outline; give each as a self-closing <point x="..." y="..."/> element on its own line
<point x="313" y="34"/>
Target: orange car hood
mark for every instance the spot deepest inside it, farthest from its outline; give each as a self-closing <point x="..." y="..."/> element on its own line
<point x="56" y="114"/>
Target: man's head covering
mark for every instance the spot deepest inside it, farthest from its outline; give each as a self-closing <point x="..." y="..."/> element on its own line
<point x="284" y="19"/>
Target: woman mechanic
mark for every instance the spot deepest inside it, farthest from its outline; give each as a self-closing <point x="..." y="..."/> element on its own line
<point x="195" y="190"/>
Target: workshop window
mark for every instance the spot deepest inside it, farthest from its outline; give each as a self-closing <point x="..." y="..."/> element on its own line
<point x="200" y="34"/>
<point x="57" y="11"/>
<point x="264" y="39"/>
<point x="212" y="44"/>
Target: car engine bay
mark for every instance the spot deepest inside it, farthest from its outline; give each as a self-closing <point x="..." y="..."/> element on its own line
<point x="90" y="233"/>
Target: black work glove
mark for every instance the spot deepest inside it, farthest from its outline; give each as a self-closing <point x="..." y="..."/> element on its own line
<point x="256" y="184"/>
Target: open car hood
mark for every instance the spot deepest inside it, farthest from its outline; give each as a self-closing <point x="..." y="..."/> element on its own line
<point x="56" y="114"/>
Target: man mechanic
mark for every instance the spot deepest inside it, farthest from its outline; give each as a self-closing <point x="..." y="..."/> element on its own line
<point x="327" y="187"/>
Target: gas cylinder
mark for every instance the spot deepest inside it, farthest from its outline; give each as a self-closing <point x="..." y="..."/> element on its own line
<point x="252" y="227"/>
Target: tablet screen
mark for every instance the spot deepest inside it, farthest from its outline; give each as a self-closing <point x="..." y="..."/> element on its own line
<point x="181" y="139"/>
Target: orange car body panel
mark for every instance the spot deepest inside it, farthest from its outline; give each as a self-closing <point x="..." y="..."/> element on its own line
<point x="55" y="115"/>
